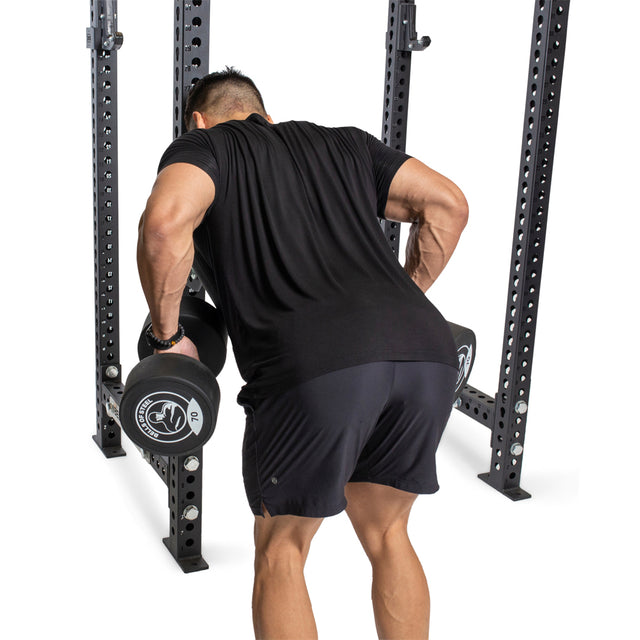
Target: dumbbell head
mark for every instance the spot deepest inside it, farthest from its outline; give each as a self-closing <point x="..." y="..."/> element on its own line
<point x="170" y="404"/>
<point x="204" y="325"/>
<point x="465" y="341"/>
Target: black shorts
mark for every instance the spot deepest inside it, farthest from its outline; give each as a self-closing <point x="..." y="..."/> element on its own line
<point x="377" y="422"/>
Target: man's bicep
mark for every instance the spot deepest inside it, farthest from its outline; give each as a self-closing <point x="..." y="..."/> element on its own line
<point x="413" y="189"/>
<point x="180" y="196"/>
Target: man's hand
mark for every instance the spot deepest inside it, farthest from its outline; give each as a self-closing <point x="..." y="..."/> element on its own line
<point x="185" y="347"/>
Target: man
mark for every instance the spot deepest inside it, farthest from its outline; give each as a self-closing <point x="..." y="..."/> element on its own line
<point x="349" y="369"/>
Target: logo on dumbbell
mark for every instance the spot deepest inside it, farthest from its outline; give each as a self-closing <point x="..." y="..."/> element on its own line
<point x="465" y="356"/>
<point x="168" y="417"/>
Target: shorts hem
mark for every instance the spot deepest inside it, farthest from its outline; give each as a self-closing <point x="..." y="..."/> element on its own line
<point x="296" y="509"/>
<point x="404" y="485"/>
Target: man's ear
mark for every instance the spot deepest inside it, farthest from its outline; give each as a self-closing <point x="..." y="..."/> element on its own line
<point x="269" y="119"/>
<point x="198" y="119"/>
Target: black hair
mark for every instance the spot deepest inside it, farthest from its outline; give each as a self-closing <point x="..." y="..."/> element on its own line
<point x="223" y="92"/>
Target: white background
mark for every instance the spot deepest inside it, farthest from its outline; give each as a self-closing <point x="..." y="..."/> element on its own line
<point x="81" y="535"/>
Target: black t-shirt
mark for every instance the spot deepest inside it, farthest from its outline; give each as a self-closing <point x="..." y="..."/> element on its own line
<point x="293" y="254"/>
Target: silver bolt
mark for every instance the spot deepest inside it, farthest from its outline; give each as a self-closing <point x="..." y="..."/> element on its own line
<point x="192" y="463"/>
<point x="111" y="372"/>
<point x="112" y="409"/>
<point x="516" y="449"/>
<point x="521" y="407"/>
<point x="190" y="512"/>
<point x="458" y="403"/>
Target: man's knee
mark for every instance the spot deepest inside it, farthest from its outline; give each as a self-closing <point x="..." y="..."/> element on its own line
<point x="284" y="539"/>
<point x="379" y="514"/>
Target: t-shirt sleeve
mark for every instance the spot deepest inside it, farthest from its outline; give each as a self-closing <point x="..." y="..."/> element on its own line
<point x="194" y="147"/>
<point x="385" y="163"/>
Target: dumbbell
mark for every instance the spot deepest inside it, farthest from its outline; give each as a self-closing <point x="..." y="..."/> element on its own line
<point x="465" y="341"/>
<point x="170" y="401"/>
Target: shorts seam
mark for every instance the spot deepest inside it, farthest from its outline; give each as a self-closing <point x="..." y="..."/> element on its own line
<point x="258" y="477"/>
<point x="386" y="404"/>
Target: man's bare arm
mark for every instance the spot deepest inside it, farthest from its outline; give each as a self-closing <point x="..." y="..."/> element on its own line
<point x="180" y="197"/>
<point x="438" y="213"/>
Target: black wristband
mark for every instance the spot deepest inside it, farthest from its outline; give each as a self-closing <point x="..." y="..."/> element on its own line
<point x="162" y="345"/>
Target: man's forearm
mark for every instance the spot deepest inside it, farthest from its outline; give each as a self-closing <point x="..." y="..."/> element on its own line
<point x="164" y="264"/>
<point x="429" y="248"/>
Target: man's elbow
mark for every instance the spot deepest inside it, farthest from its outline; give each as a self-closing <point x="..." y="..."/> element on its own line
<point x="157" y="225"/>
<point x="459" y="209"/>
<point x="151" y="232"/>
<point x="160" y="239"/>
<point x="450" y="211"/>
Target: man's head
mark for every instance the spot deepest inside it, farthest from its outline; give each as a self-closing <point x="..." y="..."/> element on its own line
<point x="221" y="96"/>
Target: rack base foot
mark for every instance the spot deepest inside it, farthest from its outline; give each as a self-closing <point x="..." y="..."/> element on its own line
<point x="110" y="452"/>
<point x="190" y="563"/>
<point x="514" y="494"/>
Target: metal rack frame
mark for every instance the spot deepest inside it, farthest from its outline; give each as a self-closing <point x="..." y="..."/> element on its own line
<point x="182" y="474"/>
<point x="104" y="42"/>
<point x="504" y="413"/>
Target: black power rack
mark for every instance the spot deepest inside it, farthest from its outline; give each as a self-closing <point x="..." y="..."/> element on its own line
<point x="505" y="412"/>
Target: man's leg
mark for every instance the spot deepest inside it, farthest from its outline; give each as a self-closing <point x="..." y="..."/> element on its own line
<point x="281" y="605"/>
<point x="401" y="448"/>
<point x="399" y="591"/>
